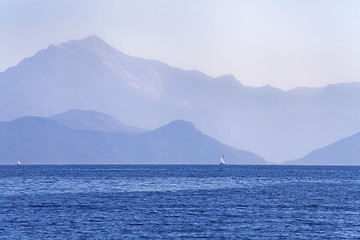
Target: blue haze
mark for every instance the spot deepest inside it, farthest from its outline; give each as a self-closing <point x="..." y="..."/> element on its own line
<point x="282" y="43"/>
<point x="89" y="74"/>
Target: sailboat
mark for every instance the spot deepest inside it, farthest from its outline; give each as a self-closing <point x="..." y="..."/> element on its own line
<point x="18" y="163"/>
<point x="222" y="162"/>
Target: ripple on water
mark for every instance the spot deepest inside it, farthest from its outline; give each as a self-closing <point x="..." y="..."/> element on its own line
<point x="162" y="202"/>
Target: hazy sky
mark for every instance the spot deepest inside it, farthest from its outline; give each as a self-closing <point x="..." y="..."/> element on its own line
<point x="284" y="43"/>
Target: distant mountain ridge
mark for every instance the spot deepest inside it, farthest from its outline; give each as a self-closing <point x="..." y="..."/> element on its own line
<point x="36" y="140"/>
<point x="343" y="152"/>
<point x="91" y="120"/>
<point x="89" y="74"/>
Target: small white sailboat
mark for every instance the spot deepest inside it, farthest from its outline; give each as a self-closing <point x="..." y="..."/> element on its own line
<point x="222" y="162"/>
<point x="18" y="163"/>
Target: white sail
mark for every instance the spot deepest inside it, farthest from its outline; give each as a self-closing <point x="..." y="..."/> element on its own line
<point x="222" y="160"/>
<point x="18" y="163"/>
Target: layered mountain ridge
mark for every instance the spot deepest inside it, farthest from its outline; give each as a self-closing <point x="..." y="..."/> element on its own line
<point x="89" y="74"/>
<point x="37" y="140"/>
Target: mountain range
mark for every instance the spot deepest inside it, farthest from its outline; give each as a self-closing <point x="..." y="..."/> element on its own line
<point x="88" y="74"/>
<point x="343" y="152"/>
<point x="37" y="140"/>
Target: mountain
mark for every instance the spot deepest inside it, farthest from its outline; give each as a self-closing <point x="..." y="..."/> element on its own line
<point x="91" y="120"/>
<point x="36" y="140"/>
<point x="343" y="152"/>
<point x="88" y="74"/>
<point x="180" y="140"/>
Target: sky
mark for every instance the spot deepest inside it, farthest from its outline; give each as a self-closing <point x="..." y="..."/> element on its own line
<point x="283" y="43"/>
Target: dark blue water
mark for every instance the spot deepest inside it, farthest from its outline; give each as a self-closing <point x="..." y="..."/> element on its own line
<point x="179" y="202"/>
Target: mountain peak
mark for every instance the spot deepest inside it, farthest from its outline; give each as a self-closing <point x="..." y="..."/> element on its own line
<point x="93" y="38"/>
<point x="227" y="77"/>
<point x="179" y="127"/>
<point x="91" y="43"/>
<point x="90" y="39"/>
<point x="182" y="124"/>
<point x="231" y="80"/>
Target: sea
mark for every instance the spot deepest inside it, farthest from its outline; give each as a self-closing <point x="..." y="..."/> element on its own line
<point x="179" y="202"/>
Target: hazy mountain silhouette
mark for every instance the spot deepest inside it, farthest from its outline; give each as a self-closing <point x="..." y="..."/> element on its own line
<point x="89" y="74"/>
<point x="343" y="152"/>
<point x="36" y="140"/>
<point x="180" y="140"/>
<point x="91" y="120"/>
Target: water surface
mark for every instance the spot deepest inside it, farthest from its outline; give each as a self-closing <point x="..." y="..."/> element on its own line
<point x="187" y="202"/>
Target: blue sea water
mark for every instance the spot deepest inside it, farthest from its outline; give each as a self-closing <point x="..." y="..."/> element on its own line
<point x="179" y="202"/>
